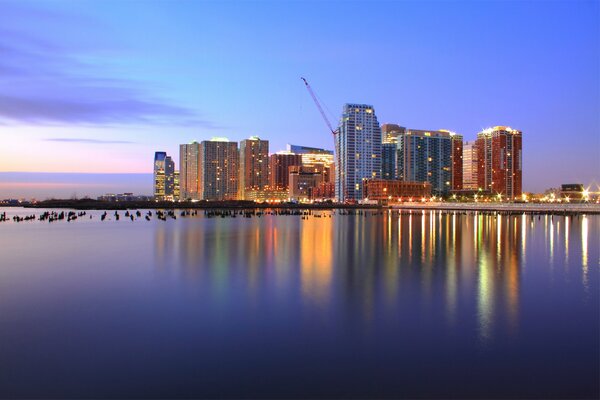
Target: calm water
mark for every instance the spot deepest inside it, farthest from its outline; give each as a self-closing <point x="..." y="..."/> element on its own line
<point x="419" y="305"/>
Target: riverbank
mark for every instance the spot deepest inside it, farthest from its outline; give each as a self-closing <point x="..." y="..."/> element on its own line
<point x="508" y="208"/>
<point x="90" y="204"/>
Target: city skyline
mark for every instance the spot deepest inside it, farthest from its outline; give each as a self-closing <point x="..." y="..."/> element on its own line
<point x="95" y="96"/>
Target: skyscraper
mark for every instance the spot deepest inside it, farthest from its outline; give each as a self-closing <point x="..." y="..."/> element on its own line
<point x="457" y="161"/>
<point x="358" y="151"/>
<point x="279" y="169"/>
<point x="426" y="156"/>
<point x="164" y="176"/>
<point x="176" y="186"/>
<point x="470" y="166"/>
<point x="189" y="164"/>
<point x="500" y="161"/>
<point x="388" y="160"/>
<point x="253" y="165"/>
<point x="218" y="169"/>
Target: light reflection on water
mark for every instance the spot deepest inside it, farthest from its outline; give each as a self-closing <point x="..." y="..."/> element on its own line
<point x="343" y="301"/>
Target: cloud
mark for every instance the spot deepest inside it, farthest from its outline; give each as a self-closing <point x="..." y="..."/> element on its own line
<point x="97" y="105"/>
<point x="45" y="82"/>
<point x="89" y="141"/>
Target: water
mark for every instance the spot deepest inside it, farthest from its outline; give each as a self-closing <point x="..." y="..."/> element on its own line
<point x="394" y="305"/>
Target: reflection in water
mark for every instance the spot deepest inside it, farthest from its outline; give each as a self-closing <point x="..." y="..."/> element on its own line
<point x="451" y="276"/>
<point x="316" y="259"/>
<point x="551" y="232"/>
<point x="378" y="304"/>
<point x="485" y="304"/>
<point x="363" y="259"/>
<point x="523" y="235"/>
<point x="584" y="250"/>
<point x="567" y="241"/>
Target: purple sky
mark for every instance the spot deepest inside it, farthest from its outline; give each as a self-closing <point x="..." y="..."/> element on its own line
<point x="98" y="86"/>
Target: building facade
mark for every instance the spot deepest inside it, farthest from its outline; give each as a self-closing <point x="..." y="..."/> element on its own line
<point x="470" y="166"/>
<point x="457" y="161"/>
<point x="163" y="176"/>
<point x="358" y="151"/>
<point x="279" y="169"/>
<point x="390" y="133"/>
<point x="218" y="170"/>
<point x="574" y="192"/>
<point x="388" y="160"/>
<point x="320" y="160"/>
<point x="426" y="156"/>
<point x="189" y="171"/>
<point x="303" y="183"/>
<point x="253" y="166"/>
<point x="176" y="186"/>
<point x="500" y="169"/>
<point x="386" y="191"/>
<point x="324" y="191"/>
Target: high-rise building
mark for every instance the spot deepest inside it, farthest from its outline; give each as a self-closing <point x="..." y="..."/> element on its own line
<point x="159" y="175"/>
<point x="500" y="161"/>
<point x="390" y="133"/>
<point x="189" y="170"/>
<point x="164" y="176"/>
<point x="426" y="156"/>
<point x="358" y="151"/>
<point x="254" y="166"/>
<point x="218" y="169"/>
<point x="457" y="161"/>
<point x="279" y="169"/>
<point x="176" y="186"/>
<point x="388" y="160"/>
<point x="470" y="166"/>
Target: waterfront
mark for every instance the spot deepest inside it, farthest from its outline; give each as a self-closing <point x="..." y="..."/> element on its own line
<point x="385" y="304"/>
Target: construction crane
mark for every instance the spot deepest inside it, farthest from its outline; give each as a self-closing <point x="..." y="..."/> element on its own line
<point x="318" y="104"/>
<point x="333" y="132"/>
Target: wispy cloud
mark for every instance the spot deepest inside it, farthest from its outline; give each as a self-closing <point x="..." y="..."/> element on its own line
<point x="45" y="82"/>
<point x="88" y="141"/>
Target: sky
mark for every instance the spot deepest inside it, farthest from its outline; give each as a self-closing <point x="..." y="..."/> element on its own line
<point x="96" y="87"/>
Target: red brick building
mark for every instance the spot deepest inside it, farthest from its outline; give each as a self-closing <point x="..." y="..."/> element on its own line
<point x="386" y="191"/>
<point x="457" y="162"/>
<point x="279" y="169"/>
<point x="500" y="169"/>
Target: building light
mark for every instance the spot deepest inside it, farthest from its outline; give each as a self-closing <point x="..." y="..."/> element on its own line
<point x="586" y="194"/>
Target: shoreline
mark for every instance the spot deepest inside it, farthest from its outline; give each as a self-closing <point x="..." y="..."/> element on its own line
<point x="505" y="208"/>
<point x="87" y="204"/>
